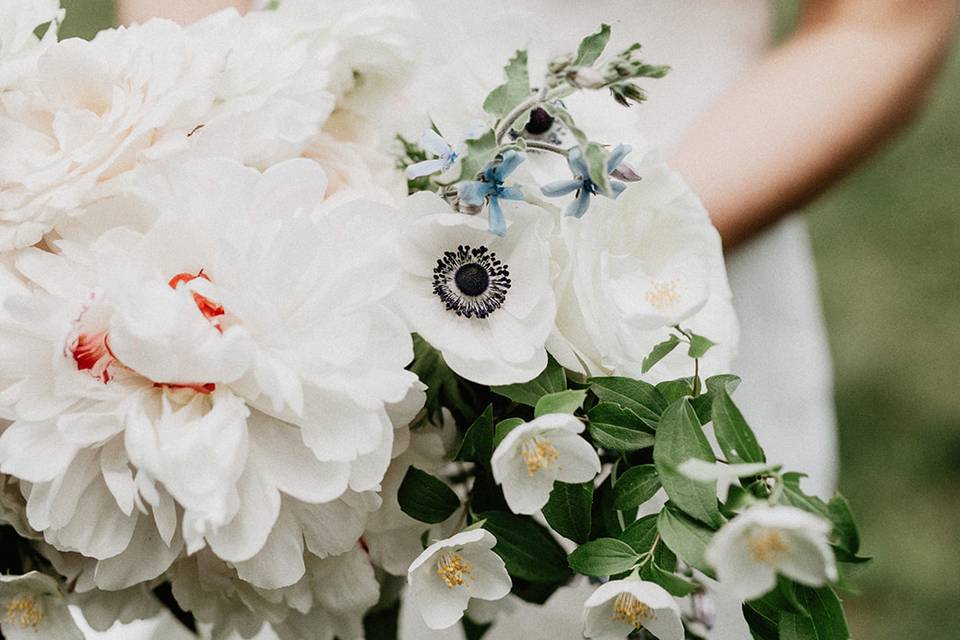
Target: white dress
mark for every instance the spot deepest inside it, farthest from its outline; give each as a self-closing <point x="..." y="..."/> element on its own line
<point x="784" y="360"/>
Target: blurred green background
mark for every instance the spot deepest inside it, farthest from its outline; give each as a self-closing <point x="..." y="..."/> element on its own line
<point x="887" y="242"/>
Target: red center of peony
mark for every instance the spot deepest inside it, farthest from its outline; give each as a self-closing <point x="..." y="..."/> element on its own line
<point x="92" y="353"/>
<point x="210" y="309"/>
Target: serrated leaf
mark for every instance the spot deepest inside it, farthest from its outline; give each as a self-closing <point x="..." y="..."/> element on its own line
<point x="560" y="402"/>
<point x="617" y="429"/>
<point x="591" y="47"/>
<point x="699" y="346"/>
<point x="551" y="380"/>
<point x="659" y="352"/>
<point x="679" y="438"/>
<point x="477" y="445"/>
<point x="426" y="498"/>
<point x="568" y="510"/>
<point x="734" y="435"/>
<point x="527" y="548"/>
<point x="636" y="486"/>
<point x="603" y="557"/>
<point x="515" y="90"/>
<point x="685" y="536"/>
<point x="503" y="428"/>
<point x="596" y="158"/>
<point x="642" y="536"/>
<point x="642" y="398"/>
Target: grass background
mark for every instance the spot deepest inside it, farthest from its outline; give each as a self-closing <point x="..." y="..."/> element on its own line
<point x="887" y="242"/>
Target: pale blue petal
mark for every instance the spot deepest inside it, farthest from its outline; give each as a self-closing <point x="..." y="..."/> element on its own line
<point x="579" y="206"/>
<point x="577" y="163"/>
<point x="561" y="188"/>
<point x="495" y="216"/>
<point x="432" y="142"/>
<point x="510" y="193"/>
<point x="511" y="160"/>
<point x="473" y="192"/>
<point x="617" y="155"/>
<point x="426" y="167"/>
<point x="617" y="188"/>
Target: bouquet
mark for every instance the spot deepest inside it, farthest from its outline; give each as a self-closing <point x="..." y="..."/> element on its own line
<point x="265" y="362"/>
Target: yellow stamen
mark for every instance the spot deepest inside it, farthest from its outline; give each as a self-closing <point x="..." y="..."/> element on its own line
<point x="25" y="612"/>
<point x="453" y="569"/>
<point x="626" y="608"/>
<point x="663" y="295"/>
<point x="766" y="546"/>
<point x="539" y="453"/>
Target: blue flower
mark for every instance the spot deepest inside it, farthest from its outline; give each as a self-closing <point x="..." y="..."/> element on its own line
<point x="583" y="185"/>
<point x="491" y="188"/>
<point x="446" y="156"/>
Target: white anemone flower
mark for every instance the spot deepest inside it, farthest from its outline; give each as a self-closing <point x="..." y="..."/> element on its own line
<point x="32" y="606"/>
<point x="86" y="113"/>
<point x="621" y="607"/>
<point x="637" y="266"/>
<point x="181" y="386"/>
<point x="535" y="455"/>
<point x="485" y="301"/>
<point x="750" y="550"/>
<point x="450" y="572"/>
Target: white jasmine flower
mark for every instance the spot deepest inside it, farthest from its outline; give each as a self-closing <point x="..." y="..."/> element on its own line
<point x="32" y="606"/>
<point x="87" y="113"/>
<point x="182" y="385"/>
<point x="750" y="550"/>
<point x="535" y="455"/>
<point x="620" y="607"/>
<point x="639" y="265"/>
<point x="484" y="301"/>
<point x="450" y="572"/>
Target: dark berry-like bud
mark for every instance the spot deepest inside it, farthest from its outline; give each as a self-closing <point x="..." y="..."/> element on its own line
<point x="539" y="123"/>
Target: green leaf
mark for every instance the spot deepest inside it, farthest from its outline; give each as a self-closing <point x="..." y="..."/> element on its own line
<point x="503" y="428"/>
<point x="845" y="533"/>
<point x="794" y="495"/>
<point x="699" y="346"/>
<point x="659" y="352"/>
<point x="591" y="47"/>
<point x="679" y="438"/>
<point x="596" y="158"/>
<point x="826" y="611"/>
<point x="551" y="380"/>
<point x="474" y="630"/>
<point x="426" y="498"/>
<point x="603" y="557"/>
<point x="762" y="625"/>
<point x="736" y="438"/>
<point x="527" y="548"/>
<point x="477" y="445"/>
<point x="636" y="486"/>
<point x="515" y="90"/>
<point x="568" y="510"/>
<point x="724" y="381"/>
<point x="685" y="536"/>
<point x="673" y="390"/>
<point x="560" y="402"/>
<point x="443" y="388"/>
<point x="640" y="397"/>
<point x="617" y="429"/>
<point x="794" y="626"/>
<point x="480" y="152"/>
<point x="674" y="584"/>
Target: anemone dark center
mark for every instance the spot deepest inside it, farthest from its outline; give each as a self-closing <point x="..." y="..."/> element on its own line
<point x="472" y="279"/>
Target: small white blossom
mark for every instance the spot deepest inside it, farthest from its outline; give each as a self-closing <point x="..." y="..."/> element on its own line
<point x="620" y="607"/>
<point x="450" y="572"/>
<point x="33" y="607"/>
<point x="534" y="455"/>
<point x="764" y="540"/>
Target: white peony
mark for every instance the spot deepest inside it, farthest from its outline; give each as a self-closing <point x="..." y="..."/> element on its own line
<point x="750" y="550"/>
<point x="73" y="128"/>
<point x="637" y="266"/>
<point x="532" y="456"/>
<point x="182" y="386"/>
<point x="449" y="573"/>
<point x="19" y="46"/>
<point x="486" y="302"/>
<point x="621" y="607"/>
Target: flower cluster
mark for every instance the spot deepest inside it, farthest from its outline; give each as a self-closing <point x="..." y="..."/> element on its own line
<point x="249" y="377"/>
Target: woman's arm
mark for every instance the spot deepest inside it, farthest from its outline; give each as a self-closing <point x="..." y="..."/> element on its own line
<point x="183" y="11"/>
<point x="854" y="72"/>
